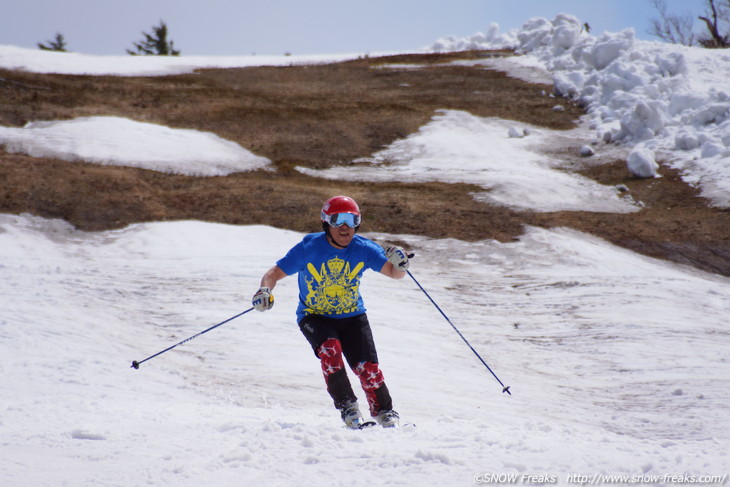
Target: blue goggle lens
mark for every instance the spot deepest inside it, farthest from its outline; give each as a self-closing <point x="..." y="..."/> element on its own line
<point x="339" y="219"/>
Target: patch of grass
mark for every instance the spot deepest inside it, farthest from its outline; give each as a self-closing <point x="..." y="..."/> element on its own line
<point x="319" y="116"/>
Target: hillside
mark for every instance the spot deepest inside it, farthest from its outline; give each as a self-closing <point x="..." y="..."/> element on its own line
<point x="318" y="116"/>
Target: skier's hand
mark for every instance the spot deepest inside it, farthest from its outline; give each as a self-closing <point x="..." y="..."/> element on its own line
<point x="263" y="299"/>
<point x="398" y="257"/>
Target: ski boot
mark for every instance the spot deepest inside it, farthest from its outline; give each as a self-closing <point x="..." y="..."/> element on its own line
<point x="351" y="416"/>
<point x="388" y="419"/>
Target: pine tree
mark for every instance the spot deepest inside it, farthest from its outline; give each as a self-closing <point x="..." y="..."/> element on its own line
<point x="155" y="44"/>
<point x="57" y="44"/>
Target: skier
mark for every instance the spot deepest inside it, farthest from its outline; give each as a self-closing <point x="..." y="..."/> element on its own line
<point x="331" y="314"/>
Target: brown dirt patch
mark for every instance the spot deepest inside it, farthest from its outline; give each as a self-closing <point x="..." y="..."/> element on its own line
<point x="318" y="116"/>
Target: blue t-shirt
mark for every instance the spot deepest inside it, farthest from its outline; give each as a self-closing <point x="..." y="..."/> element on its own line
<point x="329" y="278"/>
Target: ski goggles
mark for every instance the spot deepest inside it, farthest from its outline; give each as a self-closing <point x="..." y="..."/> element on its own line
<point x="339" y="219"/>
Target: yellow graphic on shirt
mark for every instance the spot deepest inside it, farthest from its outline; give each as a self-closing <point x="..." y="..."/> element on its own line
<point x="333" y="289"/>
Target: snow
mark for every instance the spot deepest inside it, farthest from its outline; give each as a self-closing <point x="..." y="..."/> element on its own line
<point x="37" y="61"/>
<point x="673" y="100"/>
<point x="123" y="142"/>
<point x="641" y="163"/>
<point x="617" y="362"/>
<point x="458" y="147"/>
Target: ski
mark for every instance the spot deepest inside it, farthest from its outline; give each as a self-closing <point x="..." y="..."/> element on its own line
<point x="367" y="424"/>
<point x="371" y="424"/>
<point x="362" y="424"/>
<point x="404" y="427"/>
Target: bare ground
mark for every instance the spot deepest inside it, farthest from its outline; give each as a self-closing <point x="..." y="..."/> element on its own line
<point x="319" y="116"/>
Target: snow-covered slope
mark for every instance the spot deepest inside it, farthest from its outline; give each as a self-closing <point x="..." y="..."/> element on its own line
<point x="617" y="363"/>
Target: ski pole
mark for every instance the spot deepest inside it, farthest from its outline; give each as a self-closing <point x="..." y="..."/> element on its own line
<point x="504" y="388"/>
<point x="136" y="364"/>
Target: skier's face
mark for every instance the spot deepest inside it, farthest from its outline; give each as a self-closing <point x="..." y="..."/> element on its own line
<point x="342" y="235"/>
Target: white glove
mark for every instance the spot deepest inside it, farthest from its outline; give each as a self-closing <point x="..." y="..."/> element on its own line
<point x="398" y="257"/>
<point x="263" y="299"/>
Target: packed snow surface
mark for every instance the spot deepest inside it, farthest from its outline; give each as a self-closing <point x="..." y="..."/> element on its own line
<point x="617" y="363"/>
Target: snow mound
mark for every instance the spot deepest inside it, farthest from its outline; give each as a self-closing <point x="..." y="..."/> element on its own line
<point x="672" y="99"/>
<point x="639" y="92"/>
<point x="491" y="39"/>
<point x="123" y="142"/>
<point x="641" y="163"/>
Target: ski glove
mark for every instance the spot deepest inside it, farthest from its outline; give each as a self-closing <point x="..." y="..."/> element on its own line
<point x="263" y="299"/>
<point x="398" y="257"/>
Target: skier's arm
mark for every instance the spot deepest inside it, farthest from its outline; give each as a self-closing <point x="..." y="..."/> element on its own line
<point x="390" y="270"/>
<point x="272" y="276"/>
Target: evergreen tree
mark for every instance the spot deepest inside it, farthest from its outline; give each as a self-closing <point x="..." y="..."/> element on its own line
<point x="57" y="44"/>
<point x="155" y="44"/>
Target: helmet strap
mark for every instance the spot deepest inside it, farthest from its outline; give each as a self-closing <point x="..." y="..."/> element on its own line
<point x="328" y="235"/>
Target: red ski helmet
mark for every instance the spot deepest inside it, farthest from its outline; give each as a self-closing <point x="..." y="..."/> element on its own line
<point x="336" y="211"/>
